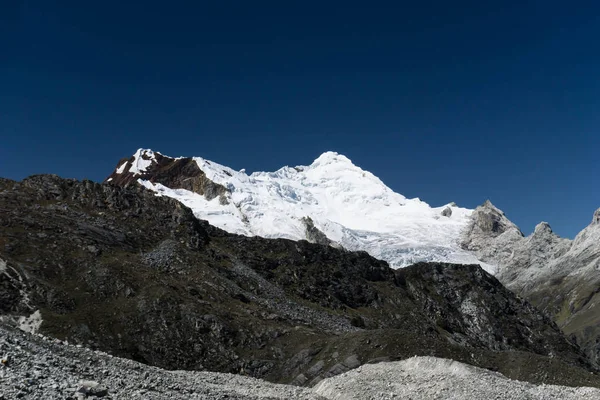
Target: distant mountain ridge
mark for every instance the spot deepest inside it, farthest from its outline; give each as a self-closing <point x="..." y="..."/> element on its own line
<point x="560" y="276"/>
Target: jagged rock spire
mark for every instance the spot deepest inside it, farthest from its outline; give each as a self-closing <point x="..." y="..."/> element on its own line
<point x="596" y="218"/>
<point x="542" y="227"/>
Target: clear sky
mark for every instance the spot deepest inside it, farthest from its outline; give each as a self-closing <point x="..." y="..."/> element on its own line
<point x="446" y="101"/>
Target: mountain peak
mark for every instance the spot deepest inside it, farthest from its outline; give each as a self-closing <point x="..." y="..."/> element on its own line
<point x="141" y="151"/>
<point x="488" y="204"/>
<point x="349" y="205"/>
<point x="331" y="157"/>
<point x="145" y="153"/>
<point x="492" y="221"/>
<point x="542" y="227"/>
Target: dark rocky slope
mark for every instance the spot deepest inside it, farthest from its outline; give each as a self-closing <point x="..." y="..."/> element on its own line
<point x="119" y="269"/>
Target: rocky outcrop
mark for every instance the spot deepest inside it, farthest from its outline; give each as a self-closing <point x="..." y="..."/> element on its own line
<point x="175" y="173"/>
<point x="480" y="313"/>
<point x="557" y="275"/>
<point x="596" y="217"/>
<point x="495" y="239"/>
<point x="313" y="234"/>
<point x="490" y="235"/>
<point x="122" y="270"/>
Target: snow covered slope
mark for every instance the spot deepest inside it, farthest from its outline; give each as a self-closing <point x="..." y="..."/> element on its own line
<point x="352" y="207"/>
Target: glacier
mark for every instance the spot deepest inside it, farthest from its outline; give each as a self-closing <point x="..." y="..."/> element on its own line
<point x="351" y="206"/>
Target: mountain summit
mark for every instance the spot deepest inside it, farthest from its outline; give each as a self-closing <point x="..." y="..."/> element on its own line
<point x="351" y="207"/>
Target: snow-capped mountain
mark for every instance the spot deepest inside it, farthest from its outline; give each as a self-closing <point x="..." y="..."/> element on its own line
<point x="330" y="200"/>
<point x="122" y="270"/>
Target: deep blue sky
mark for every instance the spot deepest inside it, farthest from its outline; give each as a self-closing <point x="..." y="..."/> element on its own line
<point x="447" y="101"/>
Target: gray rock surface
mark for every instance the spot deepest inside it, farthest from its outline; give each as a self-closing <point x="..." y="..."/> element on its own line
<point x="424" y="378"/>
<point x="559" y="276"/>
<point x="490" y="235"/>
<point x="596" y="218"/>
<point x="39" y="367"/>
<point x="314" y="235"/>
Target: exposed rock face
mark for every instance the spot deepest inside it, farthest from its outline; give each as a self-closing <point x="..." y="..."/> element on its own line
<point x="490" y="235"/>
<point x="313" y="234"/>
<point x="447" y="212"/>
<point x="122" y="270"/>
<point x="559" y="276"/>
<point x="175" y="173"/>
<point x="596" y="218"/>
<point x="491" y="220"/>
<point x="476" y="314"/>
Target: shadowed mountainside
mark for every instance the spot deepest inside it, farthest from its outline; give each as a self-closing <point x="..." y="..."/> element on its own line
<point x="122" y="270"/>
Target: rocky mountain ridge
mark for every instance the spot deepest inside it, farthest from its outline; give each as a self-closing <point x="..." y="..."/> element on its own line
<point x="125" y="271"/>
<point x="559" y="276"/>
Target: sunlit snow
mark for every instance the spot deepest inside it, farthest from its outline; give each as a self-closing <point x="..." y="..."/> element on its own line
<point x="140" y="164"/>
<point x="351" y="206"/>
<point x="121" y="168"/>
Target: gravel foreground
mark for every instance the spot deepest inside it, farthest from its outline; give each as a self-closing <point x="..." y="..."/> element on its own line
<point x="36" y="367"/>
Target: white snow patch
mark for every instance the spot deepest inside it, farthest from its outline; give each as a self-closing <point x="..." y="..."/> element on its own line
<point x="32" y="323"/>
<point x="121" y="168"/>
<point x="139" y="163"/>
